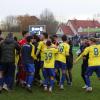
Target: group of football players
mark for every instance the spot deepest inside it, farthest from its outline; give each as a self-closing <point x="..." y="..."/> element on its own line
<point x="35" y="54"/>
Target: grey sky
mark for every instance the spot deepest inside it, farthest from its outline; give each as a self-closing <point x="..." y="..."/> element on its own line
<point x="62" y="9"/>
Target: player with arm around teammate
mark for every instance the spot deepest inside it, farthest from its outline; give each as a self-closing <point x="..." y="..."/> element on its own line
<point x="49" y="66"/>
<point x="93" y="62"/>
<point x="63" y="51"/>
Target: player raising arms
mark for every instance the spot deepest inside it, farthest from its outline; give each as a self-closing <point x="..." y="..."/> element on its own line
<point x="93" y="62"/>
<point x="49" y="66"/>
<point x="61" y="59"/>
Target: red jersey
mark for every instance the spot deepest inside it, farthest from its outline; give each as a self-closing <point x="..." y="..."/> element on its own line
<point x="22" y="42"/>
<point x="22" y="72"/>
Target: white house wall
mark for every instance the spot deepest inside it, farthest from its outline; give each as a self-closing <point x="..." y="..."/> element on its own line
<point x="59" y="31"/>
<point x="72" y="28"/>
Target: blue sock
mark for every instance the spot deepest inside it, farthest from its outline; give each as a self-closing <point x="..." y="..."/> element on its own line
<point x="88" y="81"/>
<point x="46" y="79"/>
<point x="51" y="83"/>
<point x="29" y="80"/>
<point x="46" y="82"/>
<point x="62" y="79"/>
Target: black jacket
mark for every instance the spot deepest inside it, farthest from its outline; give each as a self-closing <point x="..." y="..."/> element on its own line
<point x="7" y="48"/>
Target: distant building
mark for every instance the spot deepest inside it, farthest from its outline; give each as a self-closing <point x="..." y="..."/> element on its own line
<point x="79" y="27"/>
<point x="64" y="29"/>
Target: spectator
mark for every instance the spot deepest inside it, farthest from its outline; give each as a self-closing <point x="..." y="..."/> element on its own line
<point x="8" y="47"/>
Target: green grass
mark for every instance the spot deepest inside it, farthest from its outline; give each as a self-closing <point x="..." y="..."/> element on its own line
<point x="17" y="34"/>
<point x="70" y="93"/>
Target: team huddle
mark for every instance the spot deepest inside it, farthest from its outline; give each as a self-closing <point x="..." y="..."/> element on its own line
<point x="35" y="54"/>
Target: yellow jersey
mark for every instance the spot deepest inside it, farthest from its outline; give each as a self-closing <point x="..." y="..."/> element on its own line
<point x="94" y="55"/>
<point x="63" y="51"/>
<point x="41" y="47"/>
<point x="54" y="46"/>
<point x="33" y="52"/>
<point x="16" y="57"/>
<point x="49" y="57"/>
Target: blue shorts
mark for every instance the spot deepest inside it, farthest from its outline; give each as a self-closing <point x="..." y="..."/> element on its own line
<point x="61" y="65"/>
<point x="90" y="71"/>
<point x="48" y="72"/>
<point x="30" y="68"/>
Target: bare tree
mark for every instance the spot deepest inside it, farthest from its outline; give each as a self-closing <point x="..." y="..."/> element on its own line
<point x="47" y="18"/>
<point x="18" y="23"/>
<point x="10" y="24"/>
<point x="26" y="20"/>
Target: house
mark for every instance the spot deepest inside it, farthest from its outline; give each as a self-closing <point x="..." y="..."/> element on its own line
<point x="64" y="29"/>
<point x="79" y="27"/>
<point x="83" y="27"/>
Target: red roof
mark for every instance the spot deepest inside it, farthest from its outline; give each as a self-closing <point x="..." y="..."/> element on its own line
<point x="85" y="23"/>
<point x="66" y="29"/>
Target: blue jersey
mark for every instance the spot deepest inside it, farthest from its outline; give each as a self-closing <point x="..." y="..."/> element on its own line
<point x="26" y="54"/>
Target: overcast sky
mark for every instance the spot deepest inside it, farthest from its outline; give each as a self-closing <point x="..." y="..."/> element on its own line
<point x="62" y="9"/>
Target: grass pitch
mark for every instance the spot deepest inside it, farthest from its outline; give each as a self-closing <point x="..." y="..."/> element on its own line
<point x="69" y="93"/>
